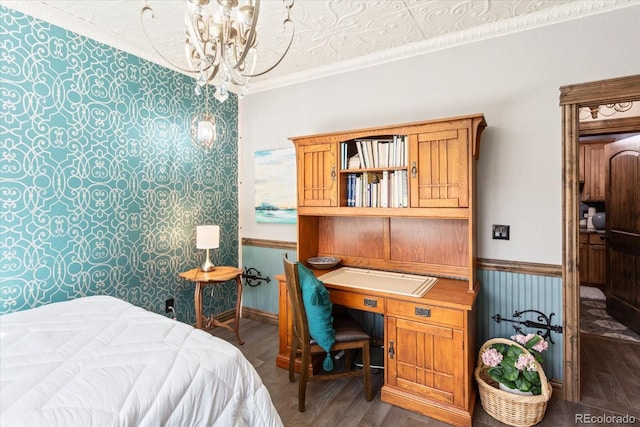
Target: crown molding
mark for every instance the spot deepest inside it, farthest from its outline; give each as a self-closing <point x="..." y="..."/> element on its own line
<point x="545" y="17"/>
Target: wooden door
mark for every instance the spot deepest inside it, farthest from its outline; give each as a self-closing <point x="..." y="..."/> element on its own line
<point x="317" y="175"/>
<point x="623" y="230"/>
<point x="439" y="168"/>
<point x="426" y="359"/>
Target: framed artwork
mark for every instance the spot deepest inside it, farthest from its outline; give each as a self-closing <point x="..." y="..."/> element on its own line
<point x="275" y="172"/>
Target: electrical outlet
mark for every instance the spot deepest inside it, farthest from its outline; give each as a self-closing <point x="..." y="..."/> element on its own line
<point x="168" y="304"/>
<point x="500" y="232"/>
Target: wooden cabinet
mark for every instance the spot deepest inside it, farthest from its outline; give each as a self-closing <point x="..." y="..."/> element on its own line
<point x="423" y="358"/>
<point x="317" y="175"/>
<point x="584" y="258"/>
<point x="430" y="341"/>
<point x="439" y="166"/>
<point x="581" y="150"/>
<point x="418" y="216"/>
<point x="592" y="171"/>
<point x="593" y="257"/>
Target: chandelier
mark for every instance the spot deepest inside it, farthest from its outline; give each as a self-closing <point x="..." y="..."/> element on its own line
<point x="221" y="43"/>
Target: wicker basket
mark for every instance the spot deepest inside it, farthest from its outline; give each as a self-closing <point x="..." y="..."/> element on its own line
<point x="510" y="408"/>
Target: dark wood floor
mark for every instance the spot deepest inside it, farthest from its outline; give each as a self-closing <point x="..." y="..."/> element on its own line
<point x="611" y="377"/>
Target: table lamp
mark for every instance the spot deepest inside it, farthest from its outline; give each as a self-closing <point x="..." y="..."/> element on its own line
<point x="207" y="237"/>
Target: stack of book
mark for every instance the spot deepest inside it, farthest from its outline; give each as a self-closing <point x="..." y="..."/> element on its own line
<point x="386" y="189"/>
<point x="374" y="153"/>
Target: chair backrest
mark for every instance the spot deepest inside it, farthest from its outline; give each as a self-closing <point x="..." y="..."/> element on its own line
<point x="300" y="325"/>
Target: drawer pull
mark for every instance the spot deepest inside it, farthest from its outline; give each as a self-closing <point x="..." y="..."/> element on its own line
<point x="392" y="352"/>
<point x="370" y="302"/>
<point x="423" y="312"/>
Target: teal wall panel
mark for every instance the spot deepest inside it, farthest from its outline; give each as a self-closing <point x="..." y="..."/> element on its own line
<point x="269" y="262"/>
<point x="504" y="293"/>
<point x="101" y="187"/>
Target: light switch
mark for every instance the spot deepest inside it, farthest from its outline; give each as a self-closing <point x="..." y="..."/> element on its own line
<point x="500" y="232"/>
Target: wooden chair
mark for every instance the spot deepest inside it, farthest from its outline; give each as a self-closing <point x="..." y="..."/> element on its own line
<point x="349" y="336"/>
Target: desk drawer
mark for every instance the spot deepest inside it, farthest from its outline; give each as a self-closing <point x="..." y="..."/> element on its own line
<point x="357" y="301"/>
<point x="426" y="313"/>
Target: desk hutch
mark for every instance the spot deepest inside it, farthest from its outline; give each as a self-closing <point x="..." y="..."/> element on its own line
<point x="428" y="227"/>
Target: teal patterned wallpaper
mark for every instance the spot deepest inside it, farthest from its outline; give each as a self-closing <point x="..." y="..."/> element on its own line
<point x="101" y="186"/>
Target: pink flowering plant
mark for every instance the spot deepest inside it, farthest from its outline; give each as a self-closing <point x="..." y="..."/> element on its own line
<point x="516" y="369"/>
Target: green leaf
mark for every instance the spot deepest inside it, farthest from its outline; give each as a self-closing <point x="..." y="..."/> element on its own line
<point x="533" y="341"/>
<point x="532" y="377"/>
<point x="523" y="384"/>
<point x="510" y="372"/>
<point x="509" y="360"/>
<point x="514" y="352"/>
<point x="536" y="389"/>
<point x="499" y="347"/>
<point x="495" y="373"/>
<point x="509" y="384"/>
<point x="537" y="355"/>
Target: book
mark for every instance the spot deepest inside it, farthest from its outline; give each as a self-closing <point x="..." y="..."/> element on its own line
<point x="384" y="190"/>
<point x="383" y="153"/>
<point x="374" y="151"/>
<point x="358" y="191"/>
<point x="404" y="203"/>
<point x="354" y="162"/>
<point x="360" y="155"/>
<point x="369" y="153"/>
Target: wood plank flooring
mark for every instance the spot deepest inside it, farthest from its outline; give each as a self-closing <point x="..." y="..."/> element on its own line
<point x="611" y="378"/>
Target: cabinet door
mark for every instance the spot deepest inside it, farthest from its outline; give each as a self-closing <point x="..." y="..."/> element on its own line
<point x="439" y="167"/>
<point x="317" y="175"/>
<point x="594" y="173"/>
<point x="426" y="360"/>
<point x="584" y="263"/>
<point x="597" y="264"/>
<point x="581" y="163"/>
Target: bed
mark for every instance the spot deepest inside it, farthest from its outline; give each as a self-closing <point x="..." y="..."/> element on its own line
<point x="100" y="361"/>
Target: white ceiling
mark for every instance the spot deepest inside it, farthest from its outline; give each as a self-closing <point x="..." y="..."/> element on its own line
<point x="332" y="36"/>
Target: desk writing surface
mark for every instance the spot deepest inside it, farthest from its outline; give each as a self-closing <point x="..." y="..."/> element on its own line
<point x="382" y="281"/>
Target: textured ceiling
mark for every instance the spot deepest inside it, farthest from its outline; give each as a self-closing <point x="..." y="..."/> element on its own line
<point x="331" y="35"/>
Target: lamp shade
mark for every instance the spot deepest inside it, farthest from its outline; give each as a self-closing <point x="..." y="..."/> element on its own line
<point x="207" y="236"/>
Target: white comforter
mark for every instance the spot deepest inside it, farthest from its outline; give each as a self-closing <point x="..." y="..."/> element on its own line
<point x="99" y="361"/>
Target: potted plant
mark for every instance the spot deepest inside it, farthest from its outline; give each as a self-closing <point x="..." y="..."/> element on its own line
<point x="514" y="369"/>
<point x="512" y="385"/>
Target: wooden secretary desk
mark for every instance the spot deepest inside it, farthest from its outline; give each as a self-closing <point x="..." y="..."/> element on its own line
<point x="407" y="205"/>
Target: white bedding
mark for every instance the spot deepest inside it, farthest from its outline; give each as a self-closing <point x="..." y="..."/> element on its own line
<point x="100" y="361"/>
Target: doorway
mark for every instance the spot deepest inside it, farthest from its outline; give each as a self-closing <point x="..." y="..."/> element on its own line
<point x="573" y="97"/>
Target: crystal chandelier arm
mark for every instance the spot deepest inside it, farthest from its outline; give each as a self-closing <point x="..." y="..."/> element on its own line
<point x="144" y="29"/>
<point x="192" y="32"/>
<point x="286" y="22"/>
<point x="251" y="38"/>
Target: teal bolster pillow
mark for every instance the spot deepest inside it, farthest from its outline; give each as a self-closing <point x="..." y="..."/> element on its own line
<point x="318" y="307"/>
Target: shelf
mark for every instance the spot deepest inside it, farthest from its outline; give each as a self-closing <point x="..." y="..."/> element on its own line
<point x="390" y="169"/>
<point x="444" y="213"/>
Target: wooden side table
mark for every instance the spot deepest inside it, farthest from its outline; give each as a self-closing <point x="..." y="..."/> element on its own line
<point x="217" y="276"/>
